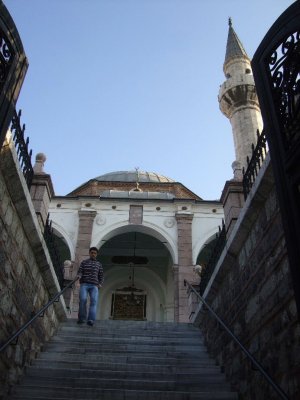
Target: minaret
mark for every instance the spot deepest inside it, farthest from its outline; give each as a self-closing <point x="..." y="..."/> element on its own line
<point x="238" y="100"/>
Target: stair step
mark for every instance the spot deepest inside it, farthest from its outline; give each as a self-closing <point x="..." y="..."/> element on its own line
<point x="94" y="347"/>
<point x="152" y="365"/>
<point x="200" y="376"/>
<point x="94" y="359"/>
<point x="128" y="339"/>
<point x="80" y="329"/>
<point x="90" y="383"/>
<point x="111" y="394"/>
<point x="124" y="360"/>
<point x="106" y="327"/>
<point x="180" y="350"/>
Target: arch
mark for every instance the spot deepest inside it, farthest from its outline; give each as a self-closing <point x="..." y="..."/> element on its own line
<point x="206" y="250"/>
<point x="153" y="287"/>
<point x="204" y="239"/>
<point x="119" y="228"/>
<point x="158" y="281"/>
<point x="135" y="257"/>
<point x="64" y="236"/>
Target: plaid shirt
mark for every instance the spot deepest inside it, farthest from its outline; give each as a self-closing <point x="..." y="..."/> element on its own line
<point x="91" y="271"/>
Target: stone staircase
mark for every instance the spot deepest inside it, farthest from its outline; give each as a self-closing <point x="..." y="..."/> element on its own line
<point x="124" y="360"/>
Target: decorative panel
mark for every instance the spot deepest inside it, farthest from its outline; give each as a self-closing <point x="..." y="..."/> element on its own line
<point x="128" y="305"/>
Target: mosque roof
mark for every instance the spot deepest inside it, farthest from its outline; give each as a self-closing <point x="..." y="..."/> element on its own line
<point x="133" y="176"/>
<point x="234" y="47"/>
<point x="134" y="184"/>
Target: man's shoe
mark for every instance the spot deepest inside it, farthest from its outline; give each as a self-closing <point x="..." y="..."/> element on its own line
<point x="91" y="323"/>
<point x="80" y="321"/>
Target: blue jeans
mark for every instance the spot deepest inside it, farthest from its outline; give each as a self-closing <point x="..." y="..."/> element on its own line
<point x="85" y="290"/>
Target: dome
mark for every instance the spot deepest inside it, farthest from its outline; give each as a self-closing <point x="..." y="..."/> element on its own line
<point x="134" y="184"/>
<point x="131" y="176"/>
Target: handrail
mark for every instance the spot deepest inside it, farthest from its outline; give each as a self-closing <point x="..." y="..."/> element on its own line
<point x="254" y="164"/>
<point x="38" y="314"/>
<point x="277" y="388"/>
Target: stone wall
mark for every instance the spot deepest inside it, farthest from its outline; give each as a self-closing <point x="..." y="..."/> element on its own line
<point x="252" y="291"/>
<point x="27" y="278"/>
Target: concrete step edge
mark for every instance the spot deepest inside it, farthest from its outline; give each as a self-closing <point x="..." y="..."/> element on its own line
<point x="122" y="374"/>
<point x="126" y="394"/>
<point x="121" y="367"/>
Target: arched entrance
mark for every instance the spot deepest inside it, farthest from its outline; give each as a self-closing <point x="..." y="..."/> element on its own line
<point x="138" y="278"/>
<point x="62" y="246"/>
<point x="206" y="251"/>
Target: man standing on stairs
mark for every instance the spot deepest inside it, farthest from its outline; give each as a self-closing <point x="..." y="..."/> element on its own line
<point x="91" y="279"/>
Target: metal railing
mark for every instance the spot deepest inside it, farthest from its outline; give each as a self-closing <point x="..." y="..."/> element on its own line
<point x="54" y="251"/>
<point x="259" y="367"/>
<point x="254" y="164"/>
<point x="214" y="257"/>
<point x="40" y="313"/>
<point x="24" y="155"/>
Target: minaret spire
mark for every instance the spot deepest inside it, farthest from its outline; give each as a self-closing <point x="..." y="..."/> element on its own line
<point x="238" y="99"/>
<point x="234" y="47"/>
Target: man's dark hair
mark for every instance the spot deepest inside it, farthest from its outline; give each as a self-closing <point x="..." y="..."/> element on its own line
<point x="93" y="248"/>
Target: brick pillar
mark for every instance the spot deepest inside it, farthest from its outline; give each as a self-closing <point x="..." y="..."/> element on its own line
<point x="184" y="270"/>
<point x="85" y="228"/>
<point x="232" y="199"/>
<point x="41" y="190"/>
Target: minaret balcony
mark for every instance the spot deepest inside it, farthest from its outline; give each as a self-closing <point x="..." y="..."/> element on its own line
<point x="237" y="93"/>
<point x="237" y="80"/>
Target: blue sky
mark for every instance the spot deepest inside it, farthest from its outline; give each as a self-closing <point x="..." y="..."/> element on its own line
<point x="118" y="84"/>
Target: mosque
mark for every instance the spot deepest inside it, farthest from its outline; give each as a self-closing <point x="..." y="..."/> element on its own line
<point x="151" y="231"/>
<point x="154" y="234"/>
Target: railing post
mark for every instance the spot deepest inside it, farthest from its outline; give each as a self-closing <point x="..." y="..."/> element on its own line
<point x="41" y="190"/>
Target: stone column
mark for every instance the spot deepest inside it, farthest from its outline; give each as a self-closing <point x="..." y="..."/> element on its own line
<point x="41" y="190"/>
<point x="184" y="269"/>
<point x="85" y="228"/>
